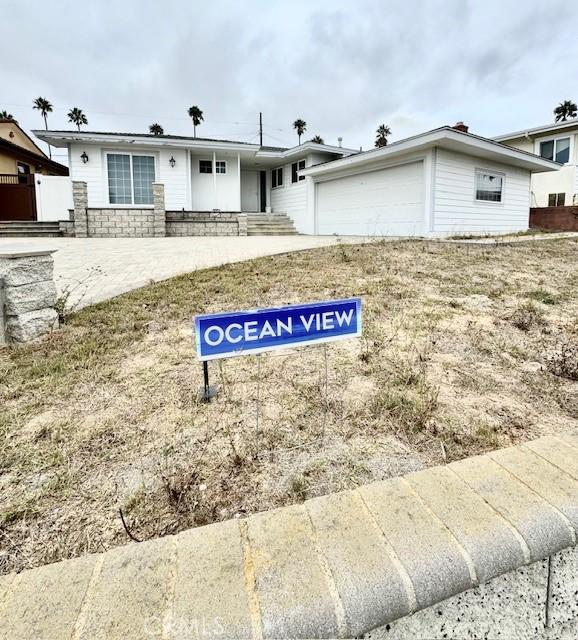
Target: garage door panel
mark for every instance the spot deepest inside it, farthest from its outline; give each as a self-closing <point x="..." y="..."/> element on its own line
<point x="384" y="202"/>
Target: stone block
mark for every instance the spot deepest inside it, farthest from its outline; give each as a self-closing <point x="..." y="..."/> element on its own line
<point x="131" y="592"/>
<point x="292" y="585"/>
<point x="45" y="603"/>
<point x="210" y="592"/>
<point x="30" y="325"/>
<point x="30" y="297"/>
<point x="510" y="607"/>
<point x="558" y="452"/>
<point x="563" y="602"/>
<point x="373" y="586"/>
<point x="26" y="270"/>
<point x="547" y="480"/>
<point x="543" y="528"/>
<point x="422" y="543"/>
<point x="493" y="544"/>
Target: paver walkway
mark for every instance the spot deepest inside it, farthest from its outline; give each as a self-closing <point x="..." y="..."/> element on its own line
<point x="128" y="263"/>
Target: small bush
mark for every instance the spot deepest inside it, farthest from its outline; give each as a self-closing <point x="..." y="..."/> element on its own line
<point x="526" y="316"/>
<point x="564" y="362"/>
<point x="544" y="296"/>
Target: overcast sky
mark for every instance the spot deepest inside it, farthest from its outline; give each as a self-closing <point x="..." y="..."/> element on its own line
<point x="343" y="66"/>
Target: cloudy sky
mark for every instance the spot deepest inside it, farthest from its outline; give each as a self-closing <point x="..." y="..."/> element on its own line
<point x="343" y="66"/>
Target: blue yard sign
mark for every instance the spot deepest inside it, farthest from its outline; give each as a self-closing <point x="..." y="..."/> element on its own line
<point x="224" y="335"/>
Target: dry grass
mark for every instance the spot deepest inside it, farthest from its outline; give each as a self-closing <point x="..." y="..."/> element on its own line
<point x="464" y="349"/>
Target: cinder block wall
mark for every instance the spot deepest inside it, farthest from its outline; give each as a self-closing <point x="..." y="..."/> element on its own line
<point x="120" y="223"/>
<point x="193" y="223"/>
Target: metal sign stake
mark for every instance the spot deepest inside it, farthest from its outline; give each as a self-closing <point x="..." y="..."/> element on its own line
<point x="206" y="392"/>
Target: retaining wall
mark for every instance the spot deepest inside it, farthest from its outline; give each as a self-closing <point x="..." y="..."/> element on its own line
<point x="120" y="223"/>
<point x="194" y="223"/>
<point x="559" y="218"/>
<point x="481" y="548"/>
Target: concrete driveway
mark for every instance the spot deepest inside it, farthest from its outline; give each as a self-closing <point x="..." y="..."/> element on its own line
<point x="101" y="268"/>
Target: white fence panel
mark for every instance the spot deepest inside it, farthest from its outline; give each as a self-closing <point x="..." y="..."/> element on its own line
<point x="53" y="197"/>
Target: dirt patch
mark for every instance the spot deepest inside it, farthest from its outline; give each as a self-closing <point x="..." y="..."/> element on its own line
<point x="464" y="349"/>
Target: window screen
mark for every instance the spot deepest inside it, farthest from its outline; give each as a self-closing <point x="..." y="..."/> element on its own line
<point x="143" y="173"/>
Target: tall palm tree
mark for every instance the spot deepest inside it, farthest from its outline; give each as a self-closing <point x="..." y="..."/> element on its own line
<point x="45" y="107"/>
<point x="76" y="116"/>
<point x="197" y="117"/>
<point x="4" y="115"/>
<point x="565" y="110"/>
<point x="382" y="133"/>
<point x="300" y="126"/>
<point x="317" y="139"/>
<point x="156" y="129"/>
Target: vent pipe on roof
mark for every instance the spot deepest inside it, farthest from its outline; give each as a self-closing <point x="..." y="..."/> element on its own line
<point x="339" y="141"/>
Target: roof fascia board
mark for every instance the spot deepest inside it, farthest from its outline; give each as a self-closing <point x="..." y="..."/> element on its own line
<point x="469" y="142"/>
<point x="90" y="138"/>
<point x="560" y="126"/>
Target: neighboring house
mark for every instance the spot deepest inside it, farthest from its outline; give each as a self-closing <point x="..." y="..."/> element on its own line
<point x="557" y="142"/>
<point x="441" y="182"/>
<point x="21" y="164"/>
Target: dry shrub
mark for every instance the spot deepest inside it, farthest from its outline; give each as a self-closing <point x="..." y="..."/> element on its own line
<point x="527" y="316"/>
<point x="564" y="362"/>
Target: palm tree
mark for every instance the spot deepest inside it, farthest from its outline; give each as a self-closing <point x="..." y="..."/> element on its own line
<point x="300" y="126"/>
<point x="317" y="139"/>
<point x="381" y="138"/>
<point x="4" y="115"/>
<point x="197" y="116"/>
<point x="156" y="129"/>
<point x="45" y="107"/>
<point x="565" y="110"/>
<point x="76" y="116"/>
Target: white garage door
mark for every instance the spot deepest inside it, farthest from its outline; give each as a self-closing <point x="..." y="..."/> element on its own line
<point x="385" y="202"/>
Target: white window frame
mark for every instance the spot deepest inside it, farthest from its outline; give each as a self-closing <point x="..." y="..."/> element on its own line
<point x="123" y="152"/>
<point x="217" y="163"/>
<point x="278" y="186"/>
<point x="297" y="170"/>
<point x="206" y="173"/>
<point x="491" y="172"/>
<point x="569" y="136"/>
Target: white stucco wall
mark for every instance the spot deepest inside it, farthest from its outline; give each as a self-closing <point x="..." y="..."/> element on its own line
<point x="455" y="209"/>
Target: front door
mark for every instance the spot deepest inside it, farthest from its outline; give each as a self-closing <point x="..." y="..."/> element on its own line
<point x="250" y="191"/>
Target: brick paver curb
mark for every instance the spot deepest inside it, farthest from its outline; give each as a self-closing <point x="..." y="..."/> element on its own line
<point x="336" y="566"/>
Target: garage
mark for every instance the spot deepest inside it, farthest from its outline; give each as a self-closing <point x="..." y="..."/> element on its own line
<point x="380" y="202"/>
<point x="434" y="184"/>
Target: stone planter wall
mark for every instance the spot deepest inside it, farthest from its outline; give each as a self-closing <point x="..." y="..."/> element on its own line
<point x="195" y="223"/>
<point x="121" y="223"/>
<point x="27" y="294"/>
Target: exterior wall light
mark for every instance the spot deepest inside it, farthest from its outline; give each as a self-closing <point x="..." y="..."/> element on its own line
<point x="172" y="162"/>
<point x="84" y="157"/>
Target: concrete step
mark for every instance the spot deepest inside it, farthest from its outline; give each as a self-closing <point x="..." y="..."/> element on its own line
<point x="30" y="234"/>
<point x="32" y="229"/>
<point x="272" y="233"/>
